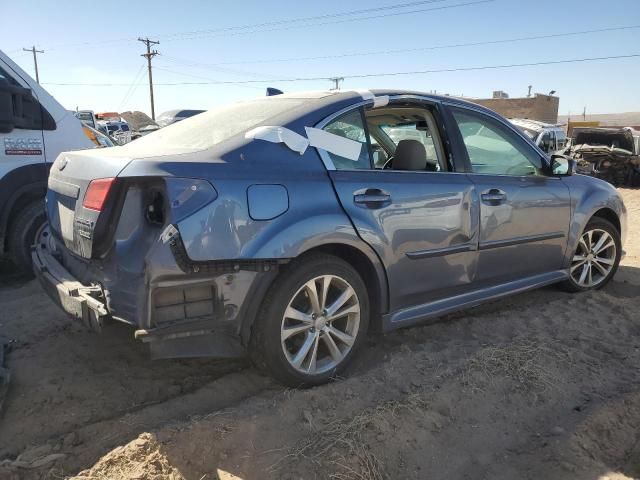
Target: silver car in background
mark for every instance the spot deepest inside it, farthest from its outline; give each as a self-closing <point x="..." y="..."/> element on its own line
<point x="289" y="226"/>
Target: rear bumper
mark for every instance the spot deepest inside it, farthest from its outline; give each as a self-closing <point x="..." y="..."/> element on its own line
<point x="79" y="301"/>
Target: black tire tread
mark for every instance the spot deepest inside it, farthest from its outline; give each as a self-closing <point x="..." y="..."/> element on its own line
<point x="24" y="224"/>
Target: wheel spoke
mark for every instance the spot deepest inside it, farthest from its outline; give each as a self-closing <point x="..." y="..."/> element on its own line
<point x="334" y="351"/>
<point x="345" y="311"/>
<point x="326" y="283"/>
<point x="340" y="301"/>
<point x="312" y="292"/>
<point x="304" y="350"/>
<point x="291" y="331"/>
<point x="602" y="248"/>
<point x="590" y="276"/>
<point x="340" y="335"/>
<point x="606" y="261"/>
<point x="583" y="275"/>
<point x="583" y="244"/>
<point x="295" y="314"/>
<point x="589" y="240"/>
<point x="314" y="355"/>
<point x="601" y="241"/>
<point x="601" y="269"/>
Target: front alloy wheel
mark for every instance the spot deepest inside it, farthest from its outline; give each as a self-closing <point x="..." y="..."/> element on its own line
<point x="596" y="257"/>
<point x="320" y="324"/>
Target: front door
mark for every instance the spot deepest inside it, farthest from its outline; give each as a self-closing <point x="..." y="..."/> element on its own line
<point x="419" y="217"/>
<point x="524" y="214"/>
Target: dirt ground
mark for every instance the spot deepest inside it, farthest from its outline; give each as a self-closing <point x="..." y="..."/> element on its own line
<point x="541" y="385"/>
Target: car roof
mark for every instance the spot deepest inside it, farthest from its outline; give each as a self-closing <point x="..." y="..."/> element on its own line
<point x="533" y="124"/>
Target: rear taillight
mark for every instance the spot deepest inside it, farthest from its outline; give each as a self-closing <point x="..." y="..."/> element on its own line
<point x="97" y="193"/>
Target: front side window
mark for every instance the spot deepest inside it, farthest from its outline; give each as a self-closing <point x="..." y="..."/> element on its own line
<point x="492" y="148"/>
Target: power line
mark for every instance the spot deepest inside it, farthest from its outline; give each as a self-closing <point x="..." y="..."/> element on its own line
<point x="35" y="59"/>
<point x="133" y="87"/>
<point x="419" y="49"/>
<point x="304" y="19"/>
<point x="368" y="75"/>
<point x="149" y="55"/>
<point x="199" y="76"/>
<point x="286" y="24"/>
<point x="333" y="22"/>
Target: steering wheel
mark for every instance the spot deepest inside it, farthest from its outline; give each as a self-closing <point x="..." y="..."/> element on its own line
<point x="388" y="165"/>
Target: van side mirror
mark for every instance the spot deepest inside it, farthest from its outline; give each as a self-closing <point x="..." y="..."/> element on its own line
<point x="562" y="165"/>
<point x="6" y="109"/>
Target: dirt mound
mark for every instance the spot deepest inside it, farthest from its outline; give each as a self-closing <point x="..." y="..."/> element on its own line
<point x="141" y="459"/>
<point x="137" y="120"/>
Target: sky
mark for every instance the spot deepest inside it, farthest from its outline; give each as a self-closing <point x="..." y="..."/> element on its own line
<point x="96" y="45"/>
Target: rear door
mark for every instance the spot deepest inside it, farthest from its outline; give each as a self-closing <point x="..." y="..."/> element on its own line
<point x="421" y="223"/>
<point x="524" y="214"/>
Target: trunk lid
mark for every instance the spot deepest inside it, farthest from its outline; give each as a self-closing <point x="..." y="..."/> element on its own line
<point x="69" y="179"/>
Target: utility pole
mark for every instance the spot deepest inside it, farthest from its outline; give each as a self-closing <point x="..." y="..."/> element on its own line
<point x="35" y="59"/>
<point x="584" y="114"/>
<point x="149" y="55"/>
<point x="336" y="82"/>
<point x="529" y="94"/>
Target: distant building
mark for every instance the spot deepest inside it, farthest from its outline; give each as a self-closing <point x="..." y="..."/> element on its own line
<point x="543" y="108"/>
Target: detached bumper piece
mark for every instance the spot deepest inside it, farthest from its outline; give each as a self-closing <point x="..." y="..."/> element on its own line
<point x="78" y="300"/>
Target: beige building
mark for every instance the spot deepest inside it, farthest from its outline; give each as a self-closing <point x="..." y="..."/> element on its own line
<point x="543" y="108"/>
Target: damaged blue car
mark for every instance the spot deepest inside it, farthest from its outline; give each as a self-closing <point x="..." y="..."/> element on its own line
<point x="288" y="227"/>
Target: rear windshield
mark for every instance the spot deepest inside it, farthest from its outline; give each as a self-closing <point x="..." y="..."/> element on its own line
<point x="214" y="126"/>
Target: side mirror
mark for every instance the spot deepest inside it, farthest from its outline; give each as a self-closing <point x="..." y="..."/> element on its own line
<point x="562" y="165"/>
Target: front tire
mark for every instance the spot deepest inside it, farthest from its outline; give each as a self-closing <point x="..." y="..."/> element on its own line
<point x="596" y="259"/>
<point x="312" y="321"/>
<point x="23" y="231"/>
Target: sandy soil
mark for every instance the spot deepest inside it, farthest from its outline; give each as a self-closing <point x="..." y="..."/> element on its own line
<point x="540" y="385"/>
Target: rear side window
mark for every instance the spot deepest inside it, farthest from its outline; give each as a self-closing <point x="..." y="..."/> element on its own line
<point x="205" y="130"/>
<point x="351" y="126"/>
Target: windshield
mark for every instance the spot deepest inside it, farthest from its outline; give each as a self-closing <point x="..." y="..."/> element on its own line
<point x="214" y="126"/>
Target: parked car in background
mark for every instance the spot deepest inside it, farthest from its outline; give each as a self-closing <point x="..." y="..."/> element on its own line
<point x="549" y="137"/>
<point x="87" y="117"/>
<point x="34" y="129"/>
<point x="266" y="226"/>
<point x="172" y="116"/>
<point x="98" y="138"/>
<point x="612" y="154"/>
<point x="118" y="130"/>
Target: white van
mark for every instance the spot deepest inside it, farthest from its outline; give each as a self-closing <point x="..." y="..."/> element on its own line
<point x="34" y="129"/>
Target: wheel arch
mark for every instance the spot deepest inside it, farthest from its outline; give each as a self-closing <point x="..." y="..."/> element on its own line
<point x="366" y="263"/>
<point x="19" y="188"/>
<point x="610" y="215"/>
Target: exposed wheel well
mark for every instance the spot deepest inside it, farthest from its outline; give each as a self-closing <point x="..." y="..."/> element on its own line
<point x="610" y="216"/>
<point x="366" y="270"/>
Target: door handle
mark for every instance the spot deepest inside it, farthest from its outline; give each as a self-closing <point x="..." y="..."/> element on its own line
<point x="493" y="196"/>
<point x="371" y="198"/>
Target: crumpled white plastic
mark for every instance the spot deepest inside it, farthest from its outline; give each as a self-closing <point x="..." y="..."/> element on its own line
<point x="341" y="146"/>
<point x="273" y="134"/>
<point x="379" y="101"/>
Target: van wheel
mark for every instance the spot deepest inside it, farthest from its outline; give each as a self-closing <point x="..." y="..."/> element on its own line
<point x="22" y="234"/>
<point x="596" y="258"/>
<point x="312" y="321"/>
